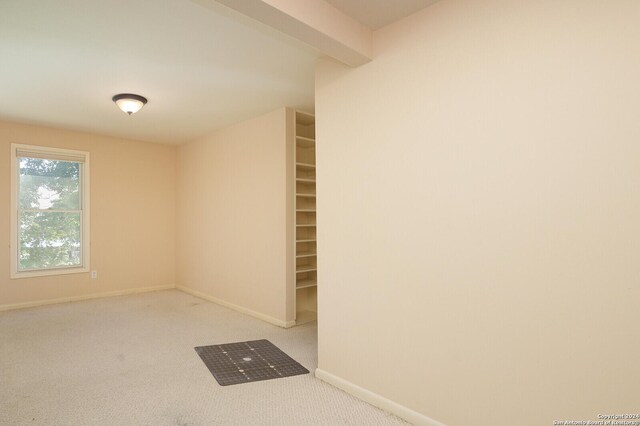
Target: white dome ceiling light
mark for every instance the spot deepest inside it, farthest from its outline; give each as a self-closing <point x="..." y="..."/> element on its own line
<point x="129" y="103"/>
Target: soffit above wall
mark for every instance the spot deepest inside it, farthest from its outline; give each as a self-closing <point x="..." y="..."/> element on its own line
<point x="378" y="13"/>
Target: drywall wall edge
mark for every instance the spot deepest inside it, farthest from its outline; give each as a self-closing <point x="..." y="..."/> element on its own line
<point x="241" y="309"/>
<point x="377" y="400"/>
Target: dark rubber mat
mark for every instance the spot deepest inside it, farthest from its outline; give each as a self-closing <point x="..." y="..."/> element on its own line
<point x="245" y="362"/>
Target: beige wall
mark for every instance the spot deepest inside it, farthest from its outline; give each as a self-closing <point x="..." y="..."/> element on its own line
<point x="132" y="216"/>
<point x="232" y="215"/>
<point x="479" y="212"/>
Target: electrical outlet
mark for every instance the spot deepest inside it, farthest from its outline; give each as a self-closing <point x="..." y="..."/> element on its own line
<point x="94" y="275"/>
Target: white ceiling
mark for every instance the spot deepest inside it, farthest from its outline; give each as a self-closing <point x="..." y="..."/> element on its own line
<point x="378" y="13"/>
<point x="201" y="68"/>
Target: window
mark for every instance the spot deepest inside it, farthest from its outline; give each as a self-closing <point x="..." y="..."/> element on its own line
<point x="49" y="211"/>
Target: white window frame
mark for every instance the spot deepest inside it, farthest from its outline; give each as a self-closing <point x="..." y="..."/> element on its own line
<point x="84" y="231"/>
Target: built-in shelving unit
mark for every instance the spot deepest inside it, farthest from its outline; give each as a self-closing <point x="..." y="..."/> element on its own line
<point x="306" y="269"/>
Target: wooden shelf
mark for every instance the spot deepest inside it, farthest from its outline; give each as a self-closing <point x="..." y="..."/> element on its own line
<point x="305" y="139"/>
<point x="305" y="180"/>
<point x="305" y="165"/>
<point x="306" y="241"/>
<point x="304" y="143"/>
<point x="306" y="224"/>
<point x="305" y="118"/>
<point x="306" y="284"/>
<point x="306" y="195"/>
<point x="306" y="210"/>
<point x="304" y="317"/>
<point x="305" y="254"/>
<point x="306" y="268"/>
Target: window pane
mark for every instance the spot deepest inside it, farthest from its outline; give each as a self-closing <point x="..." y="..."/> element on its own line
<point x="49" y="184"/>
<point x="49" y="240"/>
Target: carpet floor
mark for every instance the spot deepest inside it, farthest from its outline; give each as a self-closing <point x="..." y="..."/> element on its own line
<point x="130" y="360"/>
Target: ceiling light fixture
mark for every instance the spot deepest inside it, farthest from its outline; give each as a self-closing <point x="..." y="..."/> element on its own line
<point x="129" y="103"/>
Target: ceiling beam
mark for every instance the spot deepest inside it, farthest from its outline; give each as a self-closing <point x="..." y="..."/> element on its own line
<point x="314" y="22"/>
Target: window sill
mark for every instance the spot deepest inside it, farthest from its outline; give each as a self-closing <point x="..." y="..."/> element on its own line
<point x="48" y="272"/>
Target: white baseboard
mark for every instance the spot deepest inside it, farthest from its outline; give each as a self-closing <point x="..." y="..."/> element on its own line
<point x="33" y="304"/>
<point x="377" y="400"/>
<point x="242" y="309"/>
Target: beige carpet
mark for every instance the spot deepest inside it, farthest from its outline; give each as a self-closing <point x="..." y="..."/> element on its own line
<point x="130" y="361"/>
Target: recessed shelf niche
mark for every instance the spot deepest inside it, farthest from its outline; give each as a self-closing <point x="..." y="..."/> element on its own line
<point x="306" y="269"/>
